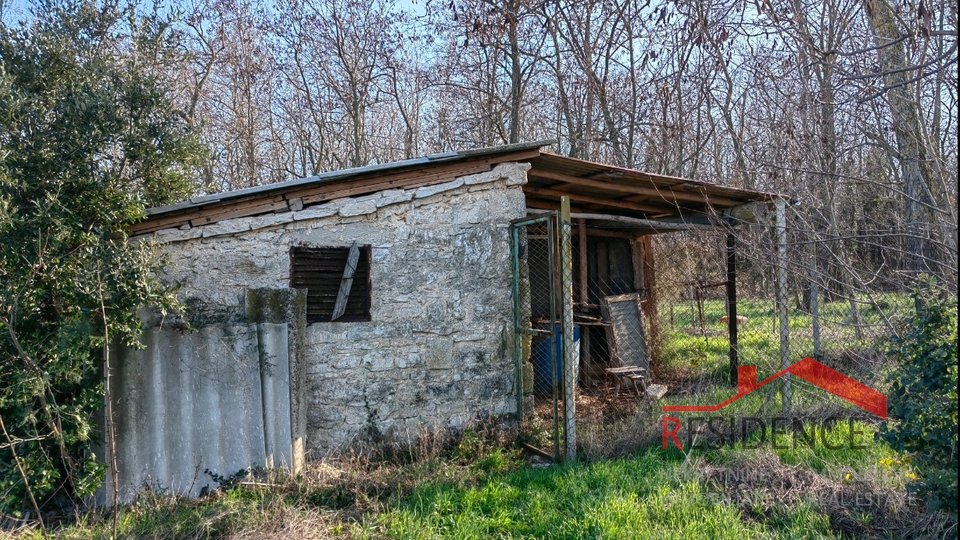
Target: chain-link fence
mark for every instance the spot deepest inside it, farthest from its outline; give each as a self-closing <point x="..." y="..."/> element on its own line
<point x="844" y="323"/>
<point x="539" y="333"/>
<point x="666" y="318"/>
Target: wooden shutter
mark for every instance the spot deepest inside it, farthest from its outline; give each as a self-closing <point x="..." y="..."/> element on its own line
<point x="319" y="270"/>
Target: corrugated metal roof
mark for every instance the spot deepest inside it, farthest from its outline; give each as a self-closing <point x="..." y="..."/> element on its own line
<point x="594" y="189"/>
<point x="614" y="175"/>
<point x="429" y="159"/>
<point x="597" y="188"/>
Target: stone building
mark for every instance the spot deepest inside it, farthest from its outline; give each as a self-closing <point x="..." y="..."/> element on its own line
<point x="418" y="335"/>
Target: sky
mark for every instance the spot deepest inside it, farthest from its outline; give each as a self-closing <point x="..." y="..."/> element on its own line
<point x="14" y="11"/>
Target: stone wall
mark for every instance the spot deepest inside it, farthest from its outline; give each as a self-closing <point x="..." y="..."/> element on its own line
<point x="438" y="351"/>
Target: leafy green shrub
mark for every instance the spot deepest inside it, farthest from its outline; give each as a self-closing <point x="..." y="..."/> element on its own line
<point x="923" y="397"/>
<point x="89" y="136"/>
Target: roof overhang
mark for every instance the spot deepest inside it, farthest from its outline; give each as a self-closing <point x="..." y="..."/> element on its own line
<point x="627" y="198"/>
<point x="617" y="196"/>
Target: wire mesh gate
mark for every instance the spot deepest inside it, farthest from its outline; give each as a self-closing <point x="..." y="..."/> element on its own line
<point x="539" y="336"/>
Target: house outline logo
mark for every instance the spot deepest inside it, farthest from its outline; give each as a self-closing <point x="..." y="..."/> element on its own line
<point x="810" y="370"/>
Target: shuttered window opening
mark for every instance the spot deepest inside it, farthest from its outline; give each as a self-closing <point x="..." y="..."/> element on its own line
<point x="320" y="270"/>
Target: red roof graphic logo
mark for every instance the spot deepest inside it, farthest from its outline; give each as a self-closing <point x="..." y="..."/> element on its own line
<point x="809" y="370"/>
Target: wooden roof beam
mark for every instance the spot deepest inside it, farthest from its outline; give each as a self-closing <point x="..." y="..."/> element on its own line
<point x="552" y="205"/>
<point x="610" y="203"/>
<point x="667" y="195"/>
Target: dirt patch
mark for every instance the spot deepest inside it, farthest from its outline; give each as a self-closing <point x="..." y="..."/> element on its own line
<point x="599" y="403"/>
<point x="763" y="485"/>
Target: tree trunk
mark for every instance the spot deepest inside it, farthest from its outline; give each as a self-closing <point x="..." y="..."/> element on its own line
<point x="907" y="128"/>
<point x="513" y="21"/>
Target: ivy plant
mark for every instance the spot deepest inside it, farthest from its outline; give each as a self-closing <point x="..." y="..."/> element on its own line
<point x="89" y="137"/>
<point x="923" y="396"/>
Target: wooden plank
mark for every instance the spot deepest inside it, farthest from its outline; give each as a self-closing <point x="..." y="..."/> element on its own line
<point x="648" y="224"/>
<point x="216" y="212"/>
<point x="649" y="303"/>
<point x="626" y="333"/>
<point x="663" y="194"/>
<point x="657" y="391"/>
<point x="350" y="186"/>
<point x="156" y="224"/>
<point x="409" y="180"/>
<point x="626" y="370"/>
<point x="418" y="177"/>
<point x="613" y="202"/>
<point x="544" y="204"/>
<point x="347" y="282"/>
<point x="584" y="298"/>
<point x="537" y="204"/>
<point x="240" y="209"/>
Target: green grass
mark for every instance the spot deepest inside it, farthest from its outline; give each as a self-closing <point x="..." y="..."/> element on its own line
<point x="652" y="495"/>
<point x="858" y="450"/>
<point x="686" y="350"/>
<point x="476" y="490"/>
<point x="847" y="451"/>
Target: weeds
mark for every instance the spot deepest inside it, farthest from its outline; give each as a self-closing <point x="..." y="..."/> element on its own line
<point x="476" y="483"/>
<point x="327" y="500"/>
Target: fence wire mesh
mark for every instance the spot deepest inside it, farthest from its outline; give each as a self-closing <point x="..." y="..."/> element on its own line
<point x="677" y="285"/>
<point x="539" y="331"/>
<point x="657" y="314"/>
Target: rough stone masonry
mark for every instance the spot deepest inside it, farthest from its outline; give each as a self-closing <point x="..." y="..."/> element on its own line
<point x="437" y="353"/>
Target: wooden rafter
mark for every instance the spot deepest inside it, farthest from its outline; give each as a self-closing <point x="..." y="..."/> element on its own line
<point x="614" y="203"/>
<point x="666" y="194"/>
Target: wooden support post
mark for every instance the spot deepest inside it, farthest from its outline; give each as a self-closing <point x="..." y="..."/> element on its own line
<point x="584" y="266"/>
<point x="732" y="306"/>
<point x="584" y="299"/>
<point x="566" y="299"/>
<point x="781" y="294"/>
<point x="650" y="301"/>
<point x="636" y="258"/>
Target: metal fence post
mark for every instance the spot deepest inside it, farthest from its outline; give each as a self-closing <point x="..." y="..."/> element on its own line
<point x="781" y="284"/>
<point x="517" y="321"/>
<point x="732" y="322"/>
<point x="566" y="296"/>
<point x="815" y="304"/>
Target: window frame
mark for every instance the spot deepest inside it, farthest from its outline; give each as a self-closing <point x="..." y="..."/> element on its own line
<point x="297" y="274"/>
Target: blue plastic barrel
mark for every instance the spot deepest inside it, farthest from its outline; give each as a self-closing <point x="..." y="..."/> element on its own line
<point x="543" y="375"/>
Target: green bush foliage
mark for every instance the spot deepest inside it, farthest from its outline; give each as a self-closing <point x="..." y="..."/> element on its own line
<point x="923" y="397"/>
<point x="88" y="138"/>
